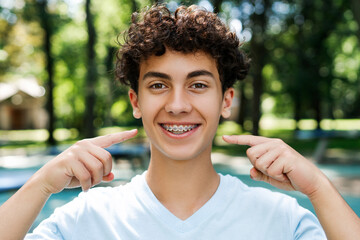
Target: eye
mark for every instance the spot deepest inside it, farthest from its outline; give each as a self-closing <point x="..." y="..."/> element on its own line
<point x="157" y="86"/>
<point x="198" y="86"/>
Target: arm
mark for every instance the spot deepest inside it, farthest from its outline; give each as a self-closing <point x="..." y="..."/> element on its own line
<point x="84" y="164"/>
<point x="278" y="164"/>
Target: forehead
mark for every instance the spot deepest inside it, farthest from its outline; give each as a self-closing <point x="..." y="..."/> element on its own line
<point x="173" y="62"/>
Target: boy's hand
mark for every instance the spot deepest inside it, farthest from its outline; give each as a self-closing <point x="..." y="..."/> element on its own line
<point x="85" y="164"/>
<point x="278" y="164"/>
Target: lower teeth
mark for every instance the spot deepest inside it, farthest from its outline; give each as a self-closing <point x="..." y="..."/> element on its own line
<point x="177" y="132"/>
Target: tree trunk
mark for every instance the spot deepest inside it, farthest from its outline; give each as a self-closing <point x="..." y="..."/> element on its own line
<point x="259" y="54"/>
<point x="46" y="25"/>
<point x="317" y="107"/>
<point x="217" y="5"/>
<point x="242" y="105"/>
<point x="355" y="7"/>
<point x="109" y="63"/>
<point x="133" y="6"/>
<point x="257" y="91"/>
<point x="297" y="110"/>
<point x="91" y="75"/>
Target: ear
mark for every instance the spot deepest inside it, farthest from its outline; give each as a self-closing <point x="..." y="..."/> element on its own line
<point x="134" y="103"/>
<point x="227" y="102"/>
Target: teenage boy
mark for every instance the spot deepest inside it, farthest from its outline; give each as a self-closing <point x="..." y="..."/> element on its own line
<point x="181" y="70"/>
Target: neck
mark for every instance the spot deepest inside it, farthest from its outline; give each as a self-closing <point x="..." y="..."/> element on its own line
<point x="182" y="186"/>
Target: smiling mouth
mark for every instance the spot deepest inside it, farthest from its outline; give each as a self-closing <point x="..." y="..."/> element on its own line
<point x="179" y="129"/>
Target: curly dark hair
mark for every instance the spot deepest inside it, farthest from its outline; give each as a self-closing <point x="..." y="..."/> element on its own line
<point x="189" y="29"/>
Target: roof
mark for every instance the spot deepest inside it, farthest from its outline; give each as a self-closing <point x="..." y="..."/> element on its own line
<point x="26" y="85"/>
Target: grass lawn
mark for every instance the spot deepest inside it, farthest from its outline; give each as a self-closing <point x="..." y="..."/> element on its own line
<point x="283" y="128"/>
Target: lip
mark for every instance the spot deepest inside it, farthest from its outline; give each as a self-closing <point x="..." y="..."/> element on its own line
<point x="179" y="136"/>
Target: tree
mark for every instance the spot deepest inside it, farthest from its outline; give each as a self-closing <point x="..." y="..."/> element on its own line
<point x="259" y="56"/>
<point x="355" y="7"/>
<point x="307" y="62"/>
<point x="45" y="22"/>
<point x="91" y="75"/>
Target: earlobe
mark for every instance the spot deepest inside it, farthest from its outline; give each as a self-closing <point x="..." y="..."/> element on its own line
<point x="137" y="113"/>
<point x="227" y="102"/>
<point x="135" y="104"/>
<point x="226" y="113"/>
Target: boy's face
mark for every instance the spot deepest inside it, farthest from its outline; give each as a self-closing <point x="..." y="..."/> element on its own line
<point x="180" y="101"/>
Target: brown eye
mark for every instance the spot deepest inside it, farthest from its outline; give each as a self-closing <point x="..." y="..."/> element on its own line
<point x="198" y="86"/>
<point x="157" y="86"/>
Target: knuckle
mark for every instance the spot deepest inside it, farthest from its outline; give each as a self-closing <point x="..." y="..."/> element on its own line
<point x="262" y="166"/>
<point x="259" y="165"/>
<point x="108" y="156"/>
<point x="98" y="166"/>
<point x="75" y="147"/>
<point x="283" y="148"/>
<point x="250" y="152"/>
<point x="80" y="144"/>
<point x="272" y="172"/>
<point x="278" y="141"/>
<point x="85" y="177"/>
<point x="97" y="181"/>
<point x="69" y="155"/>
<point x="107" y="168"/>
<point x="287" y="153"/>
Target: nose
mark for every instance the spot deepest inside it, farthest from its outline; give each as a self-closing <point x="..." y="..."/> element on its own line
<point x="178" y="102"/>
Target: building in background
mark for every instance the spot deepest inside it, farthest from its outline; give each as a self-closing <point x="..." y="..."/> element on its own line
<point x="22" y="105"/>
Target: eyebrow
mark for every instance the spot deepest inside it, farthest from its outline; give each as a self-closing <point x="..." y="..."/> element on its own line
<point x="190" y="75"/>
<point x="156" y="75"/>
<point x="200" y="73"/>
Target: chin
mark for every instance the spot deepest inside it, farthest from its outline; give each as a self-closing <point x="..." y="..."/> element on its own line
<point x="185" y="154"/>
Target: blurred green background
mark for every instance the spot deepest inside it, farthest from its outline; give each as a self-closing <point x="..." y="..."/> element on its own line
<point x="57" y="70"/>
<point x="57" y="62"/>
<point x="57" y="76"/>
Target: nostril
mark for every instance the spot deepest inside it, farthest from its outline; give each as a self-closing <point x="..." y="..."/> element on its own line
<point x="178" y="109"/>
<point x="177" y="102"/>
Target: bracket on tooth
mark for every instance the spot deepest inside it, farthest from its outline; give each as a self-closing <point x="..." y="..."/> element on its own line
<point x="179" y="129"/>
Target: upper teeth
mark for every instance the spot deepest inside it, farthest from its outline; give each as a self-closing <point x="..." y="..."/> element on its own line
<point x="179" y="128"/>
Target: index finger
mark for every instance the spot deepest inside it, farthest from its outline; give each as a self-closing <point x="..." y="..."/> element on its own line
<point x="249" y="140"/>
<point x="110" y="139"/>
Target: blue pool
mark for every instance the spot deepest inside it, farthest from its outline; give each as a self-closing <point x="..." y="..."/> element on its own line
<point x="67" y="195"/>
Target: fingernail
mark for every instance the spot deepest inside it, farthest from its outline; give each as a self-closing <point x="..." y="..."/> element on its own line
<point x="109" y="177"/>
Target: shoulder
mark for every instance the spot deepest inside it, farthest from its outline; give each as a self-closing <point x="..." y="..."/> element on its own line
<point x="98" y="198"/>
<point x="112" y="193"/>
<point x="271" y="210"/>
<point x="87" y="209"/>
<point x="255" y="194"/>
<point x="262" y="201"/>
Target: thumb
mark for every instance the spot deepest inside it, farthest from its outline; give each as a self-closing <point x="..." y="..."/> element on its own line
<point x="108" y="178"/>
<point x="257" y="175"/>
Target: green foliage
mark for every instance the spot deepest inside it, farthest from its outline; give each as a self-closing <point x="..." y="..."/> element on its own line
<point x="311" y="66"/>
<point x="229" y="128"/>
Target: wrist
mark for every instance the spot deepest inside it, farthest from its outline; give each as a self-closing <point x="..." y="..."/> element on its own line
<point x="322" y="190"/>
<point x="36" y="184"/>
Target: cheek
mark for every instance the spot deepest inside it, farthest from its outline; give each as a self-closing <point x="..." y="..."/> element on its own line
<point x="210" y="112"/>
<point x="210" y="106"/>
<point x="149" y="108"/>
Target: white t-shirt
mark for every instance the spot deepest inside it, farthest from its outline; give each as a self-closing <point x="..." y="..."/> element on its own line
<point x="132" y="211"/>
